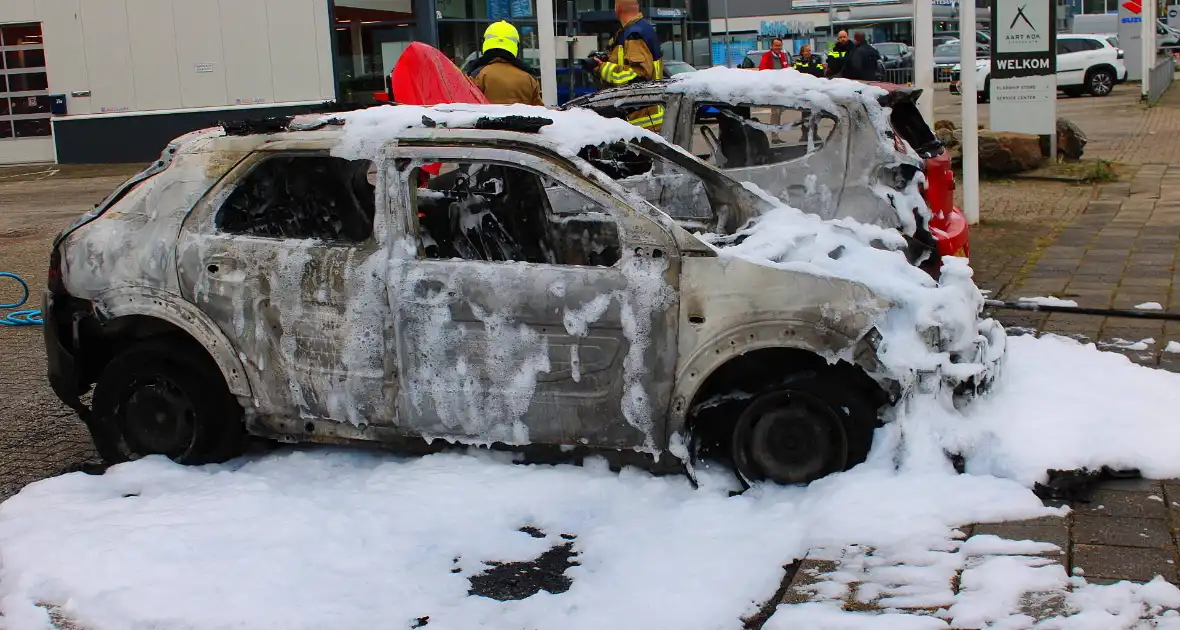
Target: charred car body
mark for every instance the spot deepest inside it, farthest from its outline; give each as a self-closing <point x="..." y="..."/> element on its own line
<point x="824" y="146"/>
<point x="468" y="275"/>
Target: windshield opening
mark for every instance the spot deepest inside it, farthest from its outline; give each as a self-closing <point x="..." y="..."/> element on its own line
<point x="692" y="193"/>
<point x="908" y="123"/>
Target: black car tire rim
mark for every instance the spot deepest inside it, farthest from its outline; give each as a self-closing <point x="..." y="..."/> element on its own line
<point x="158" y="418"/>
<point x="789" y="437"/>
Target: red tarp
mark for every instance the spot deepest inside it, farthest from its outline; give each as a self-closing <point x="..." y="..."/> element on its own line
<point x="425" y="76"/>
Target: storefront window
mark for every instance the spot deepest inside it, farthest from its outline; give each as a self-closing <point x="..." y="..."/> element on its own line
<point x="369" y="35"/>
<point x="24" y="84"/>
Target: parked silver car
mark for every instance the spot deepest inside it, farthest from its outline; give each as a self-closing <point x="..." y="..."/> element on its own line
<point x="467" y="279"/>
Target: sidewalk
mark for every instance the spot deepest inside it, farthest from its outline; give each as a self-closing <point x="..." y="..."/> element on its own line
<point x="1120" y="252"/>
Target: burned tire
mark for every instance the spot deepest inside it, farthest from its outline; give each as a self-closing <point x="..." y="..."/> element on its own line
<point x="812" y="425"/>
<point x="166" y="397"/>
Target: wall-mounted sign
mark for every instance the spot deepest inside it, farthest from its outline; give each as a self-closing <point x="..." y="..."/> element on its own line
<point x="669" y="13"/>
<point x="203" y="66"/>
<point x="1023" y="73"/>
<point x="780" y="28"/>
<point x="509" y="9"/>
<point x="1130" y="31"/>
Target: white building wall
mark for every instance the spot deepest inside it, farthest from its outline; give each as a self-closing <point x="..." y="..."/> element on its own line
<point x="148" y="55"/>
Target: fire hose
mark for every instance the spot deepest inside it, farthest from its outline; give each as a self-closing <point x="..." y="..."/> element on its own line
<point x="28" y="317"/>
<point x="1081" y="310"/>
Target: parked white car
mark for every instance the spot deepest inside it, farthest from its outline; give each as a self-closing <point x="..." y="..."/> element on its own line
<point x="1086" y="63"/>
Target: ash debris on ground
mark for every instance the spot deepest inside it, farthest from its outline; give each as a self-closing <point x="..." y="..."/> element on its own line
<point x="510" y="581"/>
<point x="1078" y="484"/>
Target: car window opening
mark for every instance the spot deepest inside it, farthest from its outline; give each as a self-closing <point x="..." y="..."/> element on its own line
<point x="303" y="197"/>
<point x="908" y="123"/>
<point x="731" y="136"/>
<point x="497" y="212"/>
<point x="673" y="189"/>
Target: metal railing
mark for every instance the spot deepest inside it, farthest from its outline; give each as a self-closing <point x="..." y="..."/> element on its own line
<point x="1162" y="74"/>
<point x="900" y="76"/>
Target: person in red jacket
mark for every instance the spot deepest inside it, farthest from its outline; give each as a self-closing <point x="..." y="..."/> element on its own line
<point x="775" y="58"/>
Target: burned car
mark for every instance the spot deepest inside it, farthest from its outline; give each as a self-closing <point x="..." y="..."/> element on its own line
<point x="831" y="147"/>
<point x="486" y="275"/>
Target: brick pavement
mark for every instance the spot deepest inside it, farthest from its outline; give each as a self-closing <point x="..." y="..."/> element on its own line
<point x="1121" y="251"/>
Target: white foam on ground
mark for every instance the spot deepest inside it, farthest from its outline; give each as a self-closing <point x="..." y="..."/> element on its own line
<point x="326" y="538"/>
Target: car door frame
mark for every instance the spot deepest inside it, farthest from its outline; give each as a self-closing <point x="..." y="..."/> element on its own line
<point x="1071" y="66"/>
<point x="559" y="412"/>
<point x="347" y="394"/>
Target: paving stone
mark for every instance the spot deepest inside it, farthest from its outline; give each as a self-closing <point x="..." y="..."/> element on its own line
<point x="1117" y="503"/>
<point x="1115" y="190"/>
<point x="810" y="572"/>
<point x="1124" y="563"/>
<point x="1046" y="605"/>
<point x="1102" y="206"/>
<point x="1161" y="284"/>
<point x="1121" y="531"/>
<point x="1057" y="534"/>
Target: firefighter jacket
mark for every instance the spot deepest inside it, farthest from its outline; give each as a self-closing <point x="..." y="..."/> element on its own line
<point x="635" y="55"/>
<point x="504" y="82"/>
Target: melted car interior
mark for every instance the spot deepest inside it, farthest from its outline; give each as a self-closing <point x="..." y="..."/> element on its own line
<point x="302" y="197"/>
<point x="736" y="136"/>
<point x="490" y="211"/>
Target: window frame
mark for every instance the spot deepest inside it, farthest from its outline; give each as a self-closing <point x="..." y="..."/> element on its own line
<point x="824" y="114"/>
<point x="9" y="119"/>
<point x="252" y="164"/>
<point x="406" y="157"/>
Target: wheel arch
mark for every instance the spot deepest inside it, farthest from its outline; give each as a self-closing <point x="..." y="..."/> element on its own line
<point x="1100" y="66"/>
<point x="140" y="313"/>
<point x="793" y="345"/>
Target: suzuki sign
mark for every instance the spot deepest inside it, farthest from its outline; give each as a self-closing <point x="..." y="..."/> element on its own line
<point x="1024" y="66"/>
<point x="1131" y="37"/>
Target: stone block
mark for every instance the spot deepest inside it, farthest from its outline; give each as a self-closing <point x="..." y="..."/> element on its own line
<point x="1123" y="563"/>
<point x="1117" y="503"/>
<point x="1056" y="533"/>
<point x="1121" y="531"/>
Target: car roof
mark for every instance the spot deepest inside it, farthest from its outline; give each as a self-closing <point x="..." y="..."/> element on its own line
<point x="363" y="133"/>
<point x="704" y="81"/>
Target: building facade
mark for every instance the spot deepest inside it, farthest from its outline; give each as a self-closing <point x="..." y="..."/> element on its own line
<point x="752" y="23"/>
<point x="88" y="81"/>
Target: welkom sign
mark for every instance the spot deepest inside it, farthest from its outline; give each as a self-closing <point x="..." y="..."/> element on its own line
<point x="1024" y="66"/>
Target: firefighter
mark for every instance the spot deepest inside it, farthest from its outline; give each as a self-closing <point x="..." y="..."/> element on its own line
<point x="634" y="55"/>
<point x="499" y="74"/>
<point x="837" y="55"/>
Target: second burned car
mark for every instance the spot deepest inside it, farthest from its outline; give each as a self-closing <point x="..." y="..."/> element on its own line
<point x="485" y="274"/>
<point x="831" y="147"/>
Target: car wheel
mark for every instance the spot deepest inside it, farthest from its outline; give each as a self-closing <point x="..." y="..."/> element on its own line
<point x="986" y="95"/>
<point x="166" y="397"/>
<point x="804" y="429"/>
<point x="1100" y="82"/>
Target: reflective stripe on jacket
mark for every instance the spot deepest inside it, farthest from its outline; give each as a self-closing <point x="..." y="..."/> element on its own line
<point x="634" y="55"/>
<point x="810" y="66"/>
